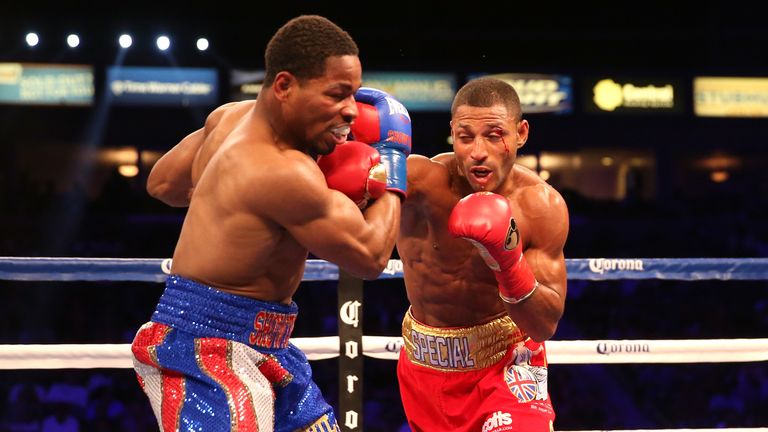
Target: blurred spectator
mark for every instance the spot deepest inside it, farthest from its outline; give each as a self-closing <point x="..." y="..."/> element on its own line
<point x="24" y="410"/>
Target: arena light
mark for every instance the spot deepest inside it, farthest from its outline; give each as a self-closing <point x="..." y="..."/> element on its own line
<point x="719" y="176"/>
<point x="119" y="156"/>
<point x="73" y="40"/>
<point x="528" y="161"/>
<point x="125" y="40"/>
<point x="32" y="39"/>
<point x="202" y="44"/>
<point x="128" y="170"/>
<point x="163" y="43"/>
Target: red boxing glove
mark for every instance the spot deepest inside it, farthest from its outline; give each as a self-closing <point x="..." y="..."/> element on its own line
<point x="485" y="219"/>
<point x="355" y="169"/>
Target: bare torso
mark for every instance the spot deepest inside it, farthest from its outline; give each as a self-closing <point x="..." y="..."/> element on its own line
<point x="448" y="283"/>
<point x="226" y="242"/>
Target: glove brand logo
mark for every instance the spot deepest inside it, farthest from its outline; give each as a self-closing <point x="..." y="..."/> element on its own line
<point x="497" y="421"/>
<point x="608" y="348"/>
<point x="396" y="107"/>
<point x="350" y="313"/>
<point x="602" y="265"/>
<point x="513" y="236"/>
<point x="398" y="137"/>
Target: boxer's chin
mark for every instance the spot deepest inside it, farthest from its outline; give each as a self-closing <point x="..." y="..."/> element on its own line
<point x="323" y="148"/>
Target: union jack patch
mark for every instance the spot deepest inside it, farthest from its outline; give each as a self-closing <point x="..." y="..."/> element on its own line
<point x="521" y="383"/>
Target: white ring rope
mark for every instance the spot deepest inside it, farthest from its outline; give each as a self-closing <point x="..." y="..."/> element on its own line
<point x="87" y="356"/>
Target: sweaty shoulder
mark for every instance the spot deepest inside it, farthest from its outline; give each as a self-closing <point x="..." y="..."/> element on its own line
<point x="218" y="126"/>
<point x="227" y="112"/>
<point x="537" y="198"/>
<point x="424" y="173"/>
<point x="271" y="178"/>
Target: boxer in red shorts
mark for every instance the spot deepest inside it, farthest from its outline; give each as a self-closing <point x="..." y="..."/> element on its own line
<point x="481" y="239"/>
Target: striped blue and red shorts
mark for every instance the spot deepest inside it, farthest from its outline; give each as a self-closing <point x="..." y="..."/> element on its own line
<point x="214" y="361"/>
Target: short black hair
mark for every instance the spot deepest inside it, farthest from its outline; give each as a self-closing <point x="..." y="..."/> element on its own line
<point x="487" y="92"/>
<point x="302" y="45"/>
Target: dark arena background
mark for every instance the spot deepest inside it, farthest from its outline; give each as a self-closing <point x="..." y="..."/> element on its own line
<point x="650" y="118"/>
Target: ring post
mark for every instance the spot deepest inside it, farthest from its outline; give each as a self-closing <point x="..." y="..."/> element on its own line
<point x="350" y="300"/>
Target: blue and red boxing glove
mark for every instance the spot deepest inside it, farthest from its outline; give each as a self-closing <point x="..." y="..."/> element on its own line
<point x="385" y="124"/>
<point x="485" y="219"/>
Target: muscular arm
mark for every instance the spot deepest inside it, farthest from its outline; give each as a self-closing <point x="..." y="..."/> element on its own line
<point x="331" y="226"/>
<point x="538" y="315"/>
<point x="418" y="169"/>
<point x="171" y="179"/>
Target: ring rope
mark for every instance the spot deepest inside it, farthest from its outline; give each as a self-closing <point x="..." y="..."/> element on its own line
<point x="157" y="269"/>
<point x="65" y="356"/>
<point x="87" y="356"/>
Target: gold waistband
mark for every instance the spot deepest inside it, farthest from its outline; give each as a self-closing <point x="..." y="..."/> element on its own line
<point x="459" y="348"/>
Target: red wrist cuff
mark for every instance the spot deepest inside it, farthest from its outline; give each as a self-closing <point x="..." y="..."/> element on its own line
<point x="516" y="283"/>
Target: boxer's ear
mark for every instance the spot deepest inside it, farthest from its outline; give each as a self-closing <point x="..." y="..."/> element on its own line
<point x="283" y="84"/>
<point x="522" y="132"/>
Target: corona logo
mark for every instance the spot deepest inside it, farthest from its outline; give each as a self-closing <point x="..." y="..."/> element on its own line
<point x="350" y="313"/>
<point x="165" y="266"/>
<point x="394" y="345"/>
<point x="608" y="348"/>
<point x="602" y="265"/>
<point x="351" y="380"/>
<point x="351" y="349"/>
<point x="350" y="419"/>
<point x="393" y="267"/>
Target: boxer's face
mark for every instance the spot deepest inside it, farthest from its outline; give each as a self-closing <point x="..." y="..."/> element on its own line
<point x="325" y="106"/>
<point x="485" y="143"/>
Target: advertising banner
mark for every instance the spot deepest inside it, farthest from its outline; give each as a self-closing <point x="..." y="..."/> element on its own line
<point x="417" y="91"/>
<point x="632" y="95"/>
<point x="539" y="93"/>
<point x="730" y="97"/>
<point x="162" y="86"/>
<point x="46" y="84"/>
<point x="245" y="84"/>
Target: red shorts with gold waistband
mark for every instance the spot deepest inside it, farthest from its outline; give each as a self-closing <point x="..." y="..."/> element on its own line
<point x="489" y="377"/>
